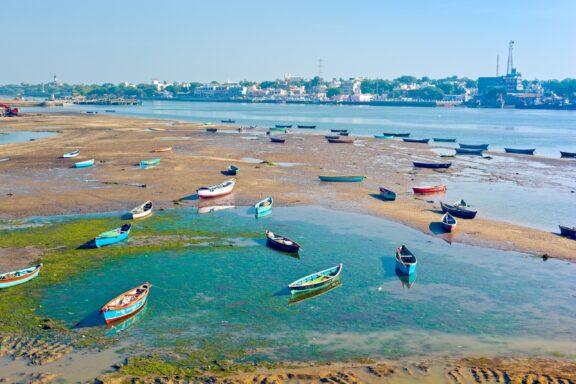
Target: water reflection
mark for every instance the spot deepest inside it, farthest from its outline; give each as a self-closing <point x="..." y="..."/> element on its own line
<point x="296" y="298"/>
<point x="119" y="326"/>
<point x="218" y="204"/>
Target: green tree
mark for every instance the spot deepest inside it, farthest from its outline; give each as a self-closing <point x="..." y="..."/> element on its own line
<point x="333" y="92"/>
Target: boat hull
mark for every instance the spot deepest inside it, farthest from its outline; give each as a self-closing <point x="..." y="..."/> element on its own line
<point x="21" y="279"/>
<point x="383" y="137"/>
<point x="341" y="141"/>
<point x="418" y="141"/>
<point x="387" y="194"/>
<point x="342" y="179"/>
<point x="397" y="134"/>
<point x="465" y="151"/>
<point x="434" y="189"/>
<point x="405" y="269"/>
<point x="261" y="208"/>
<point x="84" y="164"/>
<point x="474" y="146"/>
<point x="209" y="192"/>
<point x="431" y="165"/>
<point x="70" y="155"/>
<point x="568" y="154"/>
<point x="283" y="247"/>
<point x="441" y="140"/>
<point x="147" y="210"/>
<point x="520" y="151"/>
<point x="277" y="140"/>
<point x="567" y="232"/>
<point x="448" y="223"/>
<point x="333" y="272"/>
<point x="458" y="212"/>
<point x="307" y="126"/>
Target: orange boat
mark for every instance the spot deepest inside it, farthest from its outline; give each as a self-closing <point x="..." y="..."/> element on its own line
<point x="163" y="149"/>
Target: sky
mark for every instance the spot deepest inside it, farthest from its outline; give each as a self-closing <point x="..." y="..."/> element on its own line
<point x="192" y="40"/>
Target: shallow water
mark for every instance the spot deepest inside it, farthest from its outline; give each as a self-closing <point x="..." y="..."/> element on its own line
<point x="22" y="136"/>
<point x="232" y="290"/>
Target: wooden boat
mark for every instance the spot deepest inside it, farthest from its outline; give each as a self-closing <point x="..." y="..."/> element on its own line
<point x="142" y="210"/>
<point x="126" y="304"/>
<point x="442" y="140"/>
<point x="448" y="222"/>
<point x="338" y="130"/>
<point x="431" y="165"/>
<point x="397" y="134"/>
<point x="520" y="151"/>
<point x="71" y="154"/>
<point x="113" y="236"/>
<point x="316" y="280"/>
<point x="85" y="164"/>
<point x="419" y="141"/>
<point x="264" y="206"/>
<point x="277" y="139"/>
<point x="432" y="189"/>
<point x="212" y="130"/>
<point x="466" y="151"/>
<point x="229" y="121"/>
<point x="232" y="170"/>
<point x="302" y="296"/>
<point x="343" y="133"/>
<point x="474" y="146"/>
<point x="163" y="149"/>
<point x="458" y="211"/>
<point x="568" y="154"/>
<point x="383" y="137"/>
<point x="281" y="242"/>
<point x="341" y="140"/>
<point x="282" y="126"/>
<point x="10" y="279"/>
<point x="149" y="162"/>
<point x="307" y="126"/>
<point x="405" y="261"/>
<point x="333" y="137"/>
<point x="387" y="194"/>
<point x="350" y="179"/>
<point x="567" y="231"/>
<point x="217" y="190"/>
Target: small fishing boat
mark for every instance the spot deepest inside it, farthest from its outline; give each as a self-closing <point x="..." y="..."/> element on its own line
<point x="343" y="133"/>
<point x="520" y="151"/>
<point x="383" y="137"/>
<point x="474" y="146"/>
<point x="149" y="162"/>
<point x="71" y="154"/>
<point x="277" y="139"/>
<point x="458" y="211"/>
<point x="113" y="236"/>
<point x="163" y="149"/>
<point x="567" y="231"/>
<point x="282" y="243"/>
<point x="217" y="190"/>
<point x="341" y="140"/>
<point x="397" y="134"/>
<point x="568" y="154"/>
<point x="85" y="164"/>
<point x="232" y="170"/>
<point x="333" y="137"/>
<point x="282" y="126"/>
<point x="126" y="304"/>
<point x="419" y="141"/>
<point x="431" y="165"/>
<point x="442" y="140"/>
<point x="316" y="280"/>
<point x="338" y="130"/>
<point x="229" y="121"/>
<point x="432" y="189"/>
<point x="405" y="261"/>
<point x="387" y="194"/>
<point x="466" y="151"/>
<point x="279" y="129"/>
<point x="142" y="210"/>
<point x="448" y="222"/>
<point x="10" y="279"/>
<point x="264" y="206"/>
<point x="110" y="110"/>
<point x="212" y="130"/>
<point x="307" y="126"/>
<point x="351" y="179"/>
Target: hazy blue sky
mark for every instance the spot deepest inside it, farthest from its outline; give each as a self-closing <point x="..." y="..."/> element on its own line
<point x="137" y="40"/>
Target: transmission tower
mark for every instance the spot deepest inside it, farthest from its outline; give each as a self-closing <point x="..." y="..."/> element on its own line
<point x="510" y="66"/>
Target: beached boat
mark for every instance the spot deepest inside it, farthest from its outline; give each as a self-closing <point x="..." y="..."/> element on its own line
<point x="10" y="279"/>
<point x="387" y="194"/>
<point x="341" y="140"/>
<point x="405" y="261"/>
<point x="431" y="165"/>
<point x="282" y="126"/>
<point x="149" y="162"/>
<point x="232" y="170"/>
<point x="229" y="121"/>
<point x="264" y="205"/>
<point x="466" y="151"/>
<point x="281" y="242"/>
<point x="343" y="133"/>
<point x="383" y="137"/>
<point x="277" y="139"/>
<point x="307" y="126"/>
<point x="333" y="137"/>
<point x="458" y="210"/>
<point x="397" y="134"/>
<point x="113" y="236"/>
<point x="443" y="140"/>
<point x="71" y="154"/>
<point x="567" y="231"/>
<point x="432" y="189"/>
<point x="474" y="146"/>
<point x="316" y="280"/>
<point x="568" y="154"/>
<point x="217" y="190"/>
<point x="126" y="304"/>
<point x="85" y="164"/>
<point x="520" y="151"/>
<point x="142" y="210"/>
<point x="448" y="222"/>
<point x="163" y="149"/>
<point x="351" y="179"/>
<point x="338" y="130"/>
<point x="419" y="141"/>
<point x="212" y="130"/>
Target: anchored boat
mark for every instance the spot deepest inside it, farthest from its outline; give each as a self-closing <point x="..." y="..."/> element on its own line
<point x="142" y="210"/>
<point x="405" y="260"/>
<point x="466" y="151"/>
<point x="520" y="151"/>
<point x="113" y="236"/>
<point x="126" y="304"/>
<point x="443" y="140"/>
<point x="316" y="280"/>
<point x="281" y="242"/>
<point x="383" y="137"/>
<point x="276" y="139"/>
<point x="474" y="146"/>
<point x="307" y="126"/>
<point x="264" y="206"/>
<point x="458" y="210"/>
<point x="341" y="140"/>
<point x="568" y="154"/>
<point x="420" y="141"/>
<point x="71" y="154"/>
<point x="352" y="179"/>
<point x="217" y="190"/>
<point x="397" y="134"/>
<point x="10" y="279"/>
<point x="84" y="164"/>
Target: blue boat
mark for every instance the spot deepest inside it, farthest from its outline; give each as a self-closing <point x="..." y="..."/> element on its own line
<point x="113" y="236"/>
<point x="466" y="151"/>
<point x="127" y="304"/>
<point x="520" y="151"/>
<point x="405" y="261"/>
<point x="342" y="179"/>
<point x="10" y="279"/>
<point x="149" y="162"/>
<point x="84" y="164"/>
<point x="458" y="210"/>
<point x="316" y="280"/>
<point x="431" y="165"/>
<point x="444" y="140"/>
<point x="474" y="146"/>
<point x="264" y="206"/>
<point x="419" y="141"/>
<point x="387" y="194"/>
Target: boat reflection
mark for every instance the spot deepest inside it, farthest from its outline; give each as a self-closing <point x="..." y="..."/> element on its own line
<point x="213" y="205"/>
<point x="116" y="327"/>
<point x="262" y="214"/>
<point x="298" y="297"/>
<point x="406" y="280"/>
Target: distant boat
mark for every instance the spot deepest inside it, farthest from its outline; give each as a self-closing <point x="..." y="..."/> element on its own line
<point x="405" y="261"/>
<point x="432" y="189"/>
<point x="163" y="149"/>
<point x="383" y="137"/>
<point x="431" y="165"/>
<point x="282" y="126"/>
<point x="333" y="137"/>
<point x="71" y="154"/>
<point x="387" y="194"/>
<point x="343" y="133"/>
<point x="217" y="190"/>
<point x="212" y="130"/>
<point x="113" y="236"/>
<point x="448" y="222"/>
<point x="10" y="279"/>
<point x="420" y="141"/>
<point x="126" y="304"/>
<point x="341" y="140"/>
<point x="397" y="134"/>
<point x="110" y="110"/>
<point x="568" y="232"/>
<point x="232" y="170"/>
<point x="142" y="210"/>
<point x="282" y="243"/>
<point x="85" y="164"/>
<point x="279" y="129"/>
<point x="466" y="151"/>
<point x="264" y="206"/>
<point x="149" y="162"/>
<point x="441" y="140"/>
<point x="316" y="280"/>
<point x="338" y="130"/>
<point x="458" y="211"/>
<point x="351" y="179"/>
<point x="568" y="154"/>
<point x="229" y="121"/>
<point x="307" y="126"/>
<point x="277" y="139"/>
<point x="520" y="151"/>
<point x="474" y="146"/>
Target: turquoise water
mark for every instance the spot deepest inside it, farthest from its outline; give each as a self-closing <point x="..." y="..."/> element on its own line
<point x="22" y="136"/>
<point x="232" y="288"/>
<point x="547" y="131"/>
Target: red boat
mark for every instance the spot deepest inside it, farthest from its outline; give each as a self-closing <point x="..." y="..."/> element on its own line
<point x="434" y="189"/>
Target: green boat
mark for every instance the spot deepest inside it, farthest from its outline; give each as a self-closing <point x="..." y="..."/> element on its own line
<point x="278" y="129"/>
<point x="383" y="137"/>
<point x="233" y="170"/>
<point x="149" y="162"/>
<point x="264" y="206"/>
<point x="349" y="179"/>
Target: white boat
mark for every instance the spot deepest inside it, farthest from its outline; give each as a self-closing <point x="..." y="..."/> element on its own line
<point x="71" y="154"/>
<point x="142" y="210"/>
<point x="217" y="190"/>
